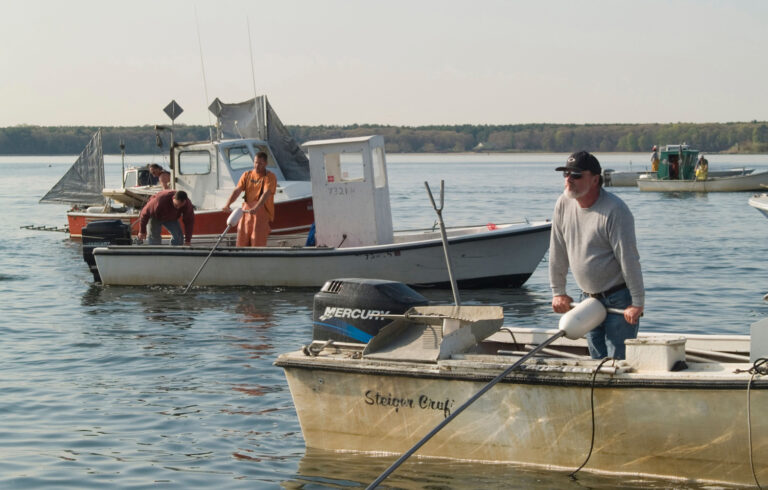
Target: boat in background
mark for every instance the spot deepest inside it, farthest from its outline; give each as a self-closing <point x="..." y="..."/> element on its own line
<point x="207" y="171"/>
<point x="676" y="173"/>
<point x="681" y="406"/>
<point x="613" y="178"/>
<point x="354" y="237"/>
<point x="760" y="202"/>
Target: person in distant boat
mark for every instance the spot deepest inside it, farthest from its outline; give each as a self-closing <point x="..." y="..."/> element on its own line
<point x="259" y="186"/>
<point x="163" y="176"/>
<point x="655" y="159"/>
<point x="674" y="167"/>
<point x="164" y="209"/>
<point x="702" y="168"/>
<point x="593" y="234"/>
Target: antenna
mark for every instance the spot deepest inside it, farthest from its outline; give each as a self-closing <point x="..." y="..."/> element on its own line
<point x="122" y="159"/>
<point x="202" y="64"/>
<point x="250" y="50"/>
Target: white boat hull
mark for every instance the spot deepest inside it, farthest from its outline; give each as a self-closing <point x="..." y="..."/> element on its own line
<point x="751" y="182"/>
<point x="689" y="425"/>
<point x="504" y="257"/>
<point x="629" y="179"/>
<point x="760" y="202"/>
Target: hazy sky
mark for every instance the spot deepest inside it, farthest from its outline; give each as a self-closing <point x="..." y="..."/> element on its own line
<point x="411" y="62"/>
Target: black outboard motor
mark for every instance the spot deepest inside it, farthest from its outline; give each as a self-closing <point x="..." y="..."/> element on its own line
<point x="349" y="310"/>
<point x="101" y="234"/>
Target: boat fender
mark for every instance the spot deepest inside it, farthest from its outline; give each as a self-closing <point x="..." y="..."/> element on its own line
<point x="234" y="217"/>
<point x="582" y="318"/>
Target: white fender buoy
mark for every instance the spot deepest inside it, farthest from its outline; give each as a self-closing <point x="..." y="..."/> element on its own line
<point x="234" y="217"/>
<point x="581" y="319"/>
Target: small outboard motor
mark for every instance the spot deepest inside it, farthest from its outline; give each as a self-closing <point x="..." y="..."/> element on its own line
<point x="101" y="234"/>
<point x="349" y="310"/>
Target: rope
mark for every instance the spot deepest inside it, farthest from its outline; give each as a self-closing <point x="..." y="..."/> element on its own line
<point x="758" y="368"/>
<point x="592" y="408"/>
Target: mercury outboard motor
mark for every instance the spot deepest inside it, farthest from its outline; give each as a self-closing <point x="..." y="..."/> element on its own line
<point x="349" y="310"/>
<point x="101" y="234"/>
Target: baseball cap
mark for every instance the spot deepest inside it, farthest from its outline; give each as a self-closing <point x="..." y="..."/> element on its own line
<point x="581" y="161"/>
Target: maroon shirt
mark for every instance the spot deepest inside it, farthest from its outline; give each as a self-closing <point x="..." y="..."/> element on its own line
<point x="160" y="206"/>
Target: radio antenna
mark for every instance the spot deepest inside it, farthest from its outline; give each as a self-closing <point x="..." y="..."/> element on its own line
<point x="250" y="50"/>
<point x="202" y="64"/>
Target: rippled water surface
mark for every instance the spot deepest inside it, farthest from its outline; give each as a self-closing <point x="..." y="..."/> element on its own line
<point x="145" y="387"/>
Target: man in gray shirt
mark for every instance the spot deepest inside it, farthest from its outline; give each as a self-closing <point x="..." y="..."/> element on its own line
<point x="593" y="233"/>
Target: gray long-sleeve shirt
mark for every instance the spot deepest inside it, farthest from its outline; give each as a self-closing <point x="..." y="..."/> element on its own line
<point x="598" y="244"/>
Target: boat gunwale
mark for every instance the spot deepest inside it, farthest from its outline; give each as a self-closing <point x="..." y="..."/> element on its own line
<point x="228" y="252"/>
<point x="525" y="375"/>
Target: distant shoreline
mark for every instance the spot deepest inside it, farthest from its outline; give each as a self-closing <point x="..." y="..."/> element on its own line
<point x="713" y="138"/>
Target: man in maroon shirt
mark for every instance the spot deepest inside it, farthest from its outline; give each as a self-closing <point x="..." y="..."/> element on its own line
<point x="164" y="209"/>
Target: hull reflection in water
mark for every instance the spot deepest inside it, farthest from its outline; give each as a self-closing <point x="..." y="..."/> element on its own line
<point x="334" y="469"/>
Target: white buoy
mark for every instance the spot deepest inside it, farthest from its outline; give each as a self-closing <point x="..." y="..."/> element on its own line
<point x="584" y="317"/>
<point x="234" y="217"/>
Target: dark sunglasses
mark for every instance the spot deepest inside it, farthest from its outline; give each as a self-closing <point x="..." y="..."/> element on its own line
<point x="575" y="175"/>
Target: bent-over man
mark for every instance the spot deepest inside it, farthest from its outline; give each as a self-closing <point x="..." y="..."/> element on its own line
<point x="164" y="209"/>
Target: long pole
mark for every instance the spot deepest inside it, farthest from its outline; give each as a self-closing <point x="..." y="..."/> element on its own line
<point x="444" y="237"/>
<point x="466" y="404"/>
<point x="234" y="217"/>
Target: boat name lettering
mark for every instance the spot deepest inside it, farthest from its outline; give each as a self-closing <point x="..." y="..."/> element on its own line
<point x="424" y="402"/>
<point x="378" y="255"/>
<point x="354" y="313"/>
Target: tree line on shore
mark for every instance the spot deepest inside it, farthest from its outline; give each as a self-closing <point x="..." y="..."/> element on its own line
<point x="736" y="137"/>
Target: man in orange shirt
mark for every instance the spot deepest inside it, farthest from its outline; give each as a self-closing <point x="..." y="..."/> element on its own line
<point x="259" y="186"/>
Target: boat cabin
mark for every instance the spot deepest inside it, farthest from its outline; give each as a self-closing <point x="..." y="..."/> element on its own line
<point x="208" y="171"/>
<point x="350" y="192"/>
<point x="677" y="162"/>
<point x="138" y="177"/>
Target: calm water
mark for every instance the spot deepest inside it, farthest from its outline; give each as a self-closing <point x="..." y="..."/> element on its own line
<point x="144" y="387"/>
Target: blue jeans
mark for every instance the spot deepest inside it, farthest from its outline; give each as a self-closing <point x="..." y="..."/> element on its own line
<point x="607" y="339"/>
<point x="174" y="227"/>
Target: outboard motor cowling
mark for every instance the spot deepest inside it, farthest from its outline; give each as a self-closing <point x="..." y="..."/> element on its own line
<point x="102" y="234"/>
<point x="349" y="310"/>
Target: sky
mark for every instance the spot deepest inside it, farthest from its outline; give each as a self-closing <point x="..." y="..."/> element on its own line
<point x="398" y="62"/>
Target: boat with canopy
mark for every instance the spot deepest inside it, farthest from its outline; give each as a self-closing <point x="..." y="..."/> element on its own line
<point x="206" y="170"/>
<point x="677" y="173"/>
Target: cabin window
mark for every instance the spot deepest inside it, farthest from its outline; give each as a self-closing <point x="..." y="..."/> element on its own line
<point x="240" y="158"/>
<point x="144" y="177"/>
<point x="344" y="167"/>
<point x="379" y="168"/>
<point x="194" y="162"/>
<point x="130" y="179"/>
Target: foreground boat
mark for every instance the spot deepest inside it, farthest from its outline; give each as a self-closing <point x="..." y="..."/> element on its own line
<point x="206" y="170"/>
<point x="685" y="407"/>
<point x="677" y="174"/>
<point x="760" y="202"/>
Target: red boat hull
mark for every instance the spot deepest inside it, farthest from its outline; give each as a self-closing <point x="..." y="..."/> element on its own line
<point x="291" y="217"/>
